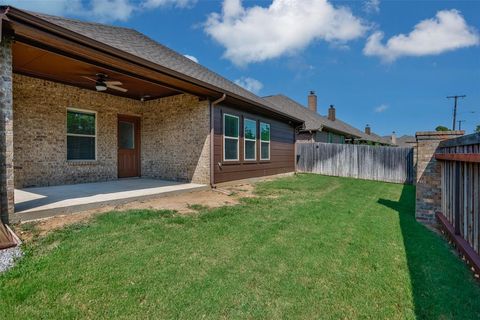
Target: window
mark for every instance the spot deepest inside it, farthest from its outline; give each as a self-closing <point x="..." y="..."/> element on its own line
<point x="230" y="137"/>
<point x="81" y="135"/>
<point x="126" y="131"/>
<point x="250" y="139"/>
<point x="264" y="141"/>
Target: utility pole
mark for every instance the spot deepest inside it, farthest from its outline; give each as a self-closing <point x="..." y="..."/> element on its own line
<point x="455" y="108"/>
<point x="460" y="124"/>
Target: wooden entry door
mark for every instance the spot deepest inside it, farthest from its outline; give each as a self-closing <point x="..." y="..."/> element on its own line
<point x="128" y="146"/>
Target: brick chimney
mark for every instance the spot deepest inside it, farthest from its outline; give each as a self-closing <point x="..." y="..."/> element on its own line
<point x="312" y="101"/>
<point x="394" y="138"/>
<point x="368" y="130"/>
<point x="331" y="113"/>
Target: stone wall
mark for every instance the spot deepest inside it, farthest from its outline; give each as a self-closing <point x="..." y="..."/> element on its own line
<point x="6" y="130"/>
<point x="429" y="188"/>
<point x="174" y="135"/>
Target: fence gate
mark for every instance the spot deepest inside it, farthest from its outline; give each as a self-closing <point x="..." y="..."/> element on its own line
<point x="390" y="164"/>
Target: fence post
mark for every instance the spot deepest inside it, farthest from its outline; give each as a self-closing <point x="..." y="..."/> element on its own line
<point x="429" y="185"/>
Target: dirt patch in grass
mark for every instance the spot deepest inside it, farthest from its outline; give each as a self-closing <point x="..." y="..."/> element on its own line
<point x="183" y="204"/>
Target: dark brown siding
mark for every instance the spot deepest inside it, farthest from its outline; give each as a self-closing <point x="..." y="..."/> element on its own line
<point x="282" y="149"/>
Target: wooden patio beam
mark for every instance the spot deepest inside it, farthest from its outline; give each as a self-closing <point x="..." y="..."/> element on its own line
<point x="464" y="157"/>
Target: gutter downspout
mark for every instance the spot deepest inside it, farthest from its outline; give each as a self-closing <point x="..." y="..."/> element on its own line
<point x="212" y="138"/>
<point x="295" y="130"/>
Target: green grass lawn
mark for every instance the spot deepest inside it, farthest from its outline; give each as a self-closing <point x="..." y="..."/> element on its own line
<point x="307" y="247"/>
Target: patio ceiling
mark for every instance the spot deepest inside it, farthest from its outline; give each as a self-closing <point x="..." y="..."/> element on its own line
<point x="36" y="62"/>
<point x="66" y="57"/>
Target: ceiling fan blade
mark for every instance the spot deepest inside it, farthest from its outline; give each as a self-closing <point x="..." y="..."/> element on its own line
<point x="116" y="88"/>
<point x="88" y="78"/>
<point x="113" y="83"/>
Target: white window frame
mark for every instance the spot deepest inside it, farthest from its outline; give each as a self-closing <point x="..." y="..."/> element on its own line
<point x="82" y="135"/>
<point x="265" y="141"/>
<point x="232" y="138"/>
<point x="245" y="140"/>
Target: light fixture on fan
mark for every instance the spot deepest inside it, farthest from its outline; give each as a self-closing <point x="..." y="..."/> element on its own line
<point x="100" y="86"/>
<point x="101" y="83"/>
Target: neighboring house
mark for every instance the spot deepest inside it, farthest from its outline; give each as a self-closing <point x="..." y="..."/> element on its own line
<point x="406" y="141"/>
<point x="317" y="128"/>
<point x="87" y="102"/>
<point x="369" y="137"/>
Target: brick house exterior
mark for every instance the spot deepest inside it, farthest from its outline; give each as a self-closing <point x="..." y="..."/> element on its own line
<point x="86" y="102"/>
<point x="167" y="152"/>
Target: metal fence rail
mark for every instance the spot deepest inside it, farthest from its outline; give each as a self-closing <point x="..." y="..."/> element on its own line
<point x="357" y="161"/>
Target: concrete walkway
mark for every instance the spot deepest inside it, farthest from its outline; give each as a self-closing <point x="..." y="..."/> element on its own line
<point x="42" y="202"/>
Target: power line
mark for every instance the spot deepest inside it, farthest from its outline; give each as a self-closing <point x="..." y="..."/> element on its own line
<point x="455" y="107"/>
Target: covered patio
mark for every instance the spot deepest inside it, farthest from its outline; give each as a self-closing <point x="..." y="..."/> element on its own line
<point x="79" y="107"/>
<point x="43" y="202"/>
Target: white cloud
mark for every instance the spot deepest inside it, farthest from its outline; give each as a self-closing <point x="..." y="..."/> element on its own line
<point x="162" y="3"/>
<point x="371" y="6"/>
<point x="100" y="10"/>
<point x="194" y="59"/>
<point x="250" y="84"/>
<point x="105" y="10"/>
<point x="447" y="31"/>
<point x="381" y="108"/>
<point x="259" y="33"/>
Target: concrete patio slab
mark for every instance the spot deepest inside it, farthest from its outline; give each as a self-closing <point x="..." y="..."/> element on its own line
<point x="42" y="202"/>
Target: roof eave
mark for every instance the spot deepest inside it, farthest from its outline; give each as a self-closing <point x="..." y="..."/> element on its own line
<point x="20" y="16"/>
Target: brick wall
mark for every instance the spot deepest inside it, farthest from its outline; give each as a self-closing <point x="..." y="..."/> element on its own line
<point x="429" y="192"/>
<point x="6" y="130"/>
<point x="174" y="135"/>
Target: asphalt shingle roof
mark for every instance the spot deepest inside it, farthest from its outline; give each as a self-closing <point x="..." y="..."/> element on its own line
<point x="313" y="121"/>
<point x="139" y="45"/>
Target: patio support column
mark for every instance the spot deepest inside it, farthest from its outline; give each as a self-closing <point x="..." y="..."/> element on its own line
<point x="6" y="130"/>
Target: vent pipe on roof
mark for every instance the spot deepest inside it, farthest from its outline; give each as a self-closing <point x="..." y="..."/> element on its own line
<point x="312" y="101"/>
<point x="331" y="113"/>
<point x="368" y="130"/>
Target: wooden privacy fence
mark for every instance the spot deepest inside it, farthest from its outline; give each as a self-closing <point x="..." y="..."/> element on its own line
<point x="460" y="166"/>
<point x="390" y="164"/>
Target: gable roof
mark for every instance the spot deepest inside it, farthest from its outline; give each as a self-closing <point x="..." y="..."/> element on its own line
<point x="406" y="141"/>
<point x="313" y="121"/>
<point x="139" y="45"/>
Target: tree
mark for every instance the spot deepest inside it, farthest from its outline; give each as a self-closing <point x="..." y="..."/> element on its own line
<point x="441" y="128"/>
<point x="478" y="128"/>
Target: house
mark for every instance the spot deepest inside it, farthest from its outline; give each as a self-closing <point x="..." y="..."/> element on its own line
<point x="370" y="137"/>
<point x="317" y="128"/>
<point x="86" y="102"/>
<point x="404" y="141"/>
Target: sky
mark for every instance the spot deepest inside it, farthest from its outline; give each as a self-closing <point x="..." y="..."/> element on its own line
<point x="389" y="64"/>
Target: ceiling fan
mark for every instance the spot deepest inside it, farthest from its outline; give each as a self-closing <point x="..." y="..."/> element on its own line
<point x="101" y="83"/>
